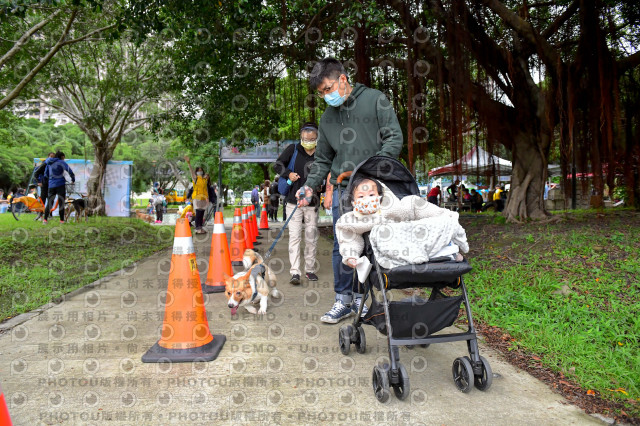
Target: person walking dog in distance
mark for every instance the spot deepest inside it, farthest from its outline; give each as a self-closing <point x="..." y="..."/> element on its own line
<point x="359" y="123"/>
<point x="302" y="155"/>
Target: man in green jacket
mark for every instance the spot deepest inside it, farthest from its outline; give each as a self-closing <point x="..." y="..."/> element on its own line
<point x="359" y="123"/>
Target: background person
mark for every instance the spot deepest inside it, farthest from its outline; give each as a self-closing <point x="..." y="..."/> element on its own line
<point x="158" y="202"/>
<point x="255" y="200"/>
<point x="264" y="195"/>
<point x="308" y="213"/>
<point x="476" y="201"/>
<point x="212" y="190"/>
<point x="274" y="200"/>
<point x="200" y="196"/>
<point x="434" y="194"/>
<point x="498" y="198"/>
<point x="38" y="174"/>
<point x="452" y="190"/>
<point x="365" y="118"/>
<point x="54" y="173"/>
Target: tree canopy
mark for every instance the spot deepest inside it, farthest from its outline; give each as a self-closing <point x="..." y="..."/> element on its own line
<point x="529" y="77"/>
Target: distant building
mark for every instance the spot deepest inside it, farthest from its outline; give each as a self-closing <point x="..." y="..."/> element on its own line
<point x="34" y="108"/>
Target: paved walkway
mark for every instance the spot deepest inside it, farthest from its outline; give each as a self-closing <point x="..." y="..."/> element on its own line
<point x="78" y="362"/>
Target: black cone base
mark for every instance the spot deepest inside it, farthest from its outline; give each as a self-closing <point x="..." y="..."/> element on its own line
<point x="237" y="263"/>
<point x="208" y="352"/>
<point x="259" y="237"/>
<point x="213" y="288"/>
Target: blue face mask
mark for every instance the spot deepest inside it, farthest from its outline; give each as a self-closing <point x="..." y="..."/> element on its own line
<point x="334" y="99"/>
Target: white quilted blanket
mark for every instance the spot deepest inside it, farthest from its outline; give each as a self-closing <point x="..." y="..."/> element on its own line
<point x="413" y="242"/>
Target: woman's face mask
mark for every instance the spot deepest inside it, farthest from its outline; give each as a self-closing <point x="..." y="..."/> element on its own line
<point x="308" y="144"/>
<point x="199" y="173"/>
<point x="367" y="205"/>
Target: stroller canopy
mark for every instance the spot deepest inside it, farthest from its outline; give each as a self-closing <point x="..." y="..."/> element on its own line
<point x="389" y="171"/>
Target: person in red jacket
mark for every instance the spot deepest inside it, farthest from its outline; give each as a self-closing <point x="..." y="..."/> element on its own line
<point x="433" y="195"/>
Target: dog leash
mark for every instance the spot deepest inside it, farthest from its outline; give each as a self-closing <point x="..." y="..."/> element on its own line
<point x="268" y="253"/>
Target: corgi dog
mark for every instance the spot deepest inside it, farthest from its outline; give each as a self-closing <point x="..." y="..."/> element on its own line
<point x="145" y="217"/>
<point x="253" y="285"/>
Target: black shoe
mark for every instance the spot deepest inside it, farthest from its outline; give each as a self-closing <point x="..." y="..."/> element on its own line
<point x="311" y="276"/>
<point x="295" y="279"/>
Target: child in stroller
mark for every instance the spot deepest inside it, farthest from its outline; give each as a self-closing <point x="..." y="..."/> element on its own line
<point x="407" y="231"/>
<point x="388" y="215"/>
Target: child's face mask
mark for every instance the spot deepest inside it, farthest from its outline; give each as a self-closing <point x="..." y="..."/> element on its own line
<point x="367" y="205"/>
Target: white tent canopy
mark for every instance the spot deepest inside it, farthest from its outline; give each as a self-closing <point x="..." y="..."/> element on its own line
<point x="480" y="162"/>
<point x="475" y="162"/>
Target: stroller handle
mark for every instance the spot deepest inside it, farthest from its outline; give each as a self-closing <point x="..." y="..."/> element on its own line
<point x="343" y="176"/>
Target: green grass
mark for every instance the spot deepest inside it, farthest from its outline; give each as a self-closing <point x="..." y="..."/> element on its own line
<point x="39" y="263"/>
<point x="591" y="332"/>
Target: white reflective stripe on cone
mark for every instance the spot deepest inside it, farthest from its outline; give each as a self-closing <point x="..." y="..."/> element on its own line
<point x="183" y="245"/>
<point x="218" y="228"/>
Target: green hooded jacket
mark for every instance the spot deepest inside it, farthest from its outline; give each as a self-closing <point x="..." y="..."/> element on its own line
<point x="363" y="126"/>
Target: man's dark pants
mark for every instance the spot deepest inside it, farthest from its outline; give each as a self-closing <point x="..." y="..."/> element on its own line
<point x="342" y="274"/>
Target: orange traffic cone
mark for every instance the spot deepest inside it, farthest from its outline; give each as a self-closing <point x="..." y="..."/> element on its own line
<point x="264" y="221"/>
<point x="248" y="240"/>
<point x="254" y="218"/>
<point x="238" y="246"/>
<point x="4" y="411"/>
<point x="254" y="226"/>
<point x="252" y="232"/>
<point x="185" y="332"/>
<point x="219" y="260"/>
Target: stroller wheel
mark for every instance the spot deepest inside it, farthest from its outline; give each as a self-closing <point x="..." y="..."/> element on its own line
<point x="344" y="339"/>
<point x="462" y="374"/>
<point x="361" y="342"/>
<point x="380" y="382"/>
<point x="484" y="380"/>
<point x="402" y="389"/>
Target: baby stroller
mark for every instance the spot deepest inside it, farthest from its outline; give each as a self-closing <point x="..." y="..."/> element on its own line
<point x="414" y="321"/>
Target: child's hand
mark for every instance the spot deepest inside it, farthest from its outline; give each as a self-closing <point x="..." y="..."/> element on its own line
<point x="351" y="262"/>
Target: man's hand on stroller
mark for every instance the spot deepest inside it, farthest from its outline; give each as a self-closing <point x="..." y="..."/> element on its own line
<point x="304" y="196"/>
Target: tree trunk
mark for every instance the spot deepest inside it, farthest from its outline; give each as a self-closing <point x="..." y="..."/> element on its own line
<point x="265" y="170"/>
<point x="528" y="177"/>
<point x="362" y="56"/>
<point x="95" y="185"/>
